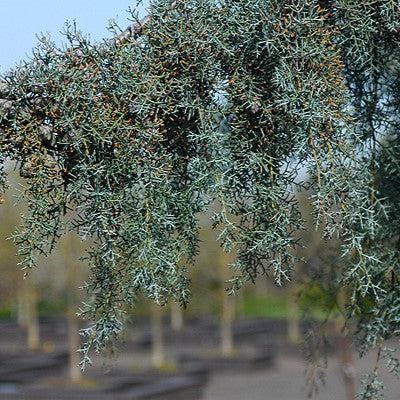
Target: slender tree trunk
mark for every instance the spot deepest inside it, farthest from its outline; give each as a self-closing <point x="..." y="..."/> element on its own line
<point x="32" y="317"/>
<point x="21" y="305"/>
<point x="347" y="366"/>
<point x="227" y="309"/>
<point x="70" y="255"/>
<point x="345" y="354"/>
<point x="74" y="371"/>
<point x="293" y="323"/>
<point x="176" y="316"/>
<point x="157" y="348"/>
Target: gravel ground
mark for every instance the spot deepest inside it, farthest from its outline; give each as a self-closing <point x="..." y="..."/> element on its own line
<point x="287" y="382"/>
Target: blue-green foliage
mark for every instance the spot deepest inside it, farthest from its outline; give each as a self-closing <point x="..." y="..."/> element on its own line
<point x="225" y="102"/>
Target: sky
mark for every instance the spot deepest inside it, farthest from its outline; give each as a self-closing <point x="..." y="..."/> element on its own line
<point x="21" y="20"/>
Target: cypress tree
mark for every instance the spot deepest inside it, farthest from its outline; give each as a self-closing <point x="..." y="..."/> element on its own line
<point x="215" y="101"/>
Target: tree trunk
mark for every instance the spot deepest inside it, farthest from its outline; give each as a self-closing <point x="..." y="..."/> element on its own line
<point x="157" y="343"/>
<point x="227" y="309"/>
<point x="176" y="316"/>
<point x="74" y="371"/>
<point x="228" y="312"/>
<point x="293" y="323"/>
<point x="32" y="317"/>
<point x="70" y="254"/>
<point x="347" y="366"/>
<point x="345" y="353"/>
<point x="21" y="305"/>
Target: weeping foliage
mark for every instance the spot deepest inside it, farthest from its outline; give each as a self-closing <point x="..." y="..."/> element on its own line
<point x="226" y="102"/>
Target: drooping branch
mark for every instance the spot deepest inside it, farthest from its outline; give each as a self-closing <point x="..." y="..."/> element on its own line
<point x="231" y="105"/>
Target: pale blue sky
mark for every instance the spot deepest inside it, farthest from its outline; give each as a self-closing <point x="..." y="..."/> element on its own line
<point x="21" y="20"/>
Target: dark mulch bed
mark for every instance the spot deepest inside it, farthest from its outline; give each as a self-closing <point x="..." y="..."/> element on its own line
<point x="20" y="367"/>
<point x="180" y="387"/>
<point x="241" y="360"/>
<point x="43" y="376"/>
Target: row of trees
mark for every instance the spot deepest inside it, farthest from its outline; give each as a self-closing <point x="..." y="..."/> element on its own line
<point x="63" y="273"/>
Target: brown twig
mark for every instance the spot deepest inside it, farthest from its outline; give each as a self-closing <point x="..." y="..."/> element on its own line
<point x="135" y="29"/>
<point x="132" y="31"/>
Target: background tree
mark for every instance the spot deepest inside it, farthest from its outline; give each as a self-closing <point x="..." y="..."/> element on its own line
<point x="68" y="257"/>
<point x="157" y="337"/>
<point x="177" y="320"/>
<point x="19" y="292"/>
